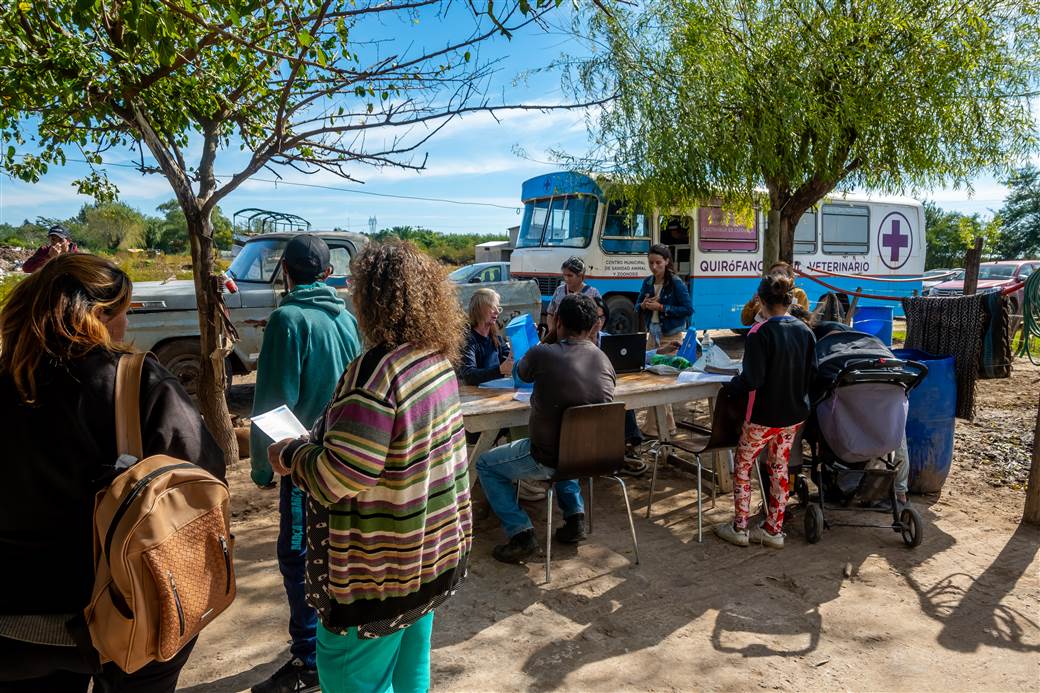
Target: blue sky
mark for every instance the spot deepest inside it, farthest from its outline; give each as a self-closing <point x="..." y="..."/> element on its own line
<point x="473" y="160"/>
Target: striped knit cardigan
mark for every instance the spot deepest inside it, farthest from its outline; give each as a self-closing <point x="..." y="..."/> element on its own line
<point x="393" y="473"/>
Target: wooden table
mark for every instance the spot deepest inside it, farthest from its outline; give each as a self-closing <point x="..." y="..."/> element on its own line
<point x="485" y="411"/>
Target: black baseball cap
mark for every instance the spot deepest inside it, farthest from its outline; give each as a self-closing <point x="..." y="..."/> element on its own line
<point x="306" y="256"/>
<point x="59" y="231"/>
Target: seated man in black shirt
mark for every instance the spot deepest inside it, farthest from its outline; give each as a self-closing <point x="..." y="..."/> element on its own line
<point x="566" y="374"/>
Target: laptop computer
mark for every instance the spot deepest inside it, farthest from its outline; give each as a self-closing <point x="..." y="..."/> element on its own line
<point x="627" y="352"/>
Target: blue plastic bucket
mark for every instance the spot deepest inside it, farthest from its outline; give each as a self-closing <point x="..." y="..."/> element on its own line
<point x="930" y="421"/>
<point x="875" y="320"/>
<point x="882" y="329"/>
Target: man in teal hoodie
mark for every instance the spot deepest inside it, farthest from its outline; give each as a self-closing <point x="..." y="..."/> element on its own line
<point x="308" y="342"/>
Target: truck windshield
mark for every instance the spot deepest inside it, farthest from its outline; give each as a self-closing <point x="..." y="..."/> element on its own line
<point x="558" y="222"/>
<point x="258" y="260"/>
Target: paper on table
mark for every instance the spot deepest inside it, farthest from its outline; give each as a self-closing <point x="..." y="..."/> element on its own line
<point x="498" y="384"/>
<point x="522" y="396"/>
<point x="699" y="377"/>
<point x="280" y="423"/>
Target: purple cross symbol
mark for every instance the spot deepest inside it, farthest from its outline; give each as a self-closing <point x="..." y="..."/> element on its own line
<point x="895" y="240"/>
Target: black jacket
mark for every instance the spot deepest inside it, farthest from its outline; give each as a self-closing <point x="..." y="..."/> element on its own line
<point x="779" y="367"/>
<point x="481" y="359"/>
<point x="58" y="454"/>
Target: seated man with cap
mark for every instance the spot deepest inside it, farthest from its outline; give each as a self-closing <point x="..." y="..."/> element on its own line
<point x="308" y="342"/>
<point x="59" y="242"/>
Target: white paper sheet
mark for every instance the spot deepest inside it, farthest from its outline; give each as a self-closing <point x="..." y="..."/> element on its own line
<point x="280" y="423"/>
<point x="699" y="377"/>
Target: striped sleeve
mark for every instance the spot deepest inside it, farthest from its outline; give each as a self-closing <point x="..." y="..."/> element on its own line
<point x="353" y="453"/>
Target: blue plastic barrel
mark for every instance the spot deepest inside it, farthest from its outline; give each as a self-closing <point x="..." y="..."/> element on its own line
<point x="875" y="320"/>
<point x="930" y="421"/>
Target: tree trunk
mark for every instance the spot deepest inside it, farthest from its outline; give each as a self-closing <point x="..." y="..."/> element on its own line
<point x="1032" y="512"/>
<point x="771" y="244"/>
<point x="212" y="374"/>
<point x="785" y="234"/>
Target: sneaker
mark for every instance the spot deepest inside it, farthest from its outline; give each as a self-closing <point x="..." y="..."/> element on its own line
<point x="293" y="677"/>
<point x="521" y="546"/>
<point x="759" y="535"/>
<point x="731" y="534"/>
<point x="573" y="529"/>
<point x="531" y="490"/>
<point x="634" y="465"/>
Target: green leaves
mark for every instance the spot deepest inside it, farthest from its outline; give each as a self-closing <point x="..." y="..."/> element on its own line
<point x="305" y="38"/>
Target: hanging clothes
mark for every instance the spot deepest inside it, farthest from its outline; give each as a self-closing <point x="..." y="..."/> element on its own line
<point x="950" y="326"/>
<point x="996" y="341"/>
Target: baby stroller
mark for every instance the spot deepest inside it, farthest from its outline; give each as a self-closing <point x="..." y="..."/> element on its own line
<point x="857" y="422"/>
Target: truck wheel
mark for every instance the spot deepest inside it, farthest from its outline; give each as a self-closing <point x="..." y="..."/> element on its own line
<point x="622" y="315"/>
<point x="183" y="358"/>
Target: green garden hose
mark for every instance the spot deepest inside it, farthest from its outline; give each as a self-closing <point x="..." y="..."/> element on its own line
<point x="1030" y="316"/>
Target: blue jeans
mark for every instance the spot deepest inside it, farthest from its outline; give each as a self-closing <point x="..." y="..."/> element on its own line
<point x="292" y="562"/>
<point x="500" y="467"/>
<point x="633" y="436"/>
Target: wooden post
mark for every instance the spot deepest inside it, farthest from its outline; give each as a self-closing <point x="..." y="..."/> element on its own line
<point x="852" y="306"/>
<point x="971" y="267"/>
<point x="1032" y="511"/>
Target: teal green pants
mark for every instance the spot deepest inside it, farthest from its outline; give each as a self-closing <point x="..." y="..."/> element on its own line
<point x="397" y="663"/>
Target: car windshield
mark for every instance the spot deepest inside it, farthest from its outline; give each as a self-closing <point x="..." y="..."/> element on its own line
<point x="558" y="222"/>
<point x="258" y="260"/>
<point x="461" y="273"/>
<point x="997" y="271"/>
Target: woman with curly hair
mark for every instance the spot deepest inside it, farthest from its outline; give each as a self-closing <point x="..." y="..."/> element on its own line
<point x="389" y="525"/>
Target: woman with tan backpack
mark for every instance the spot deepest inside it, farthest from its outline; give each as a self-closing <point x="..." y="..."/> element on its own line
<point x="60" y="344"/>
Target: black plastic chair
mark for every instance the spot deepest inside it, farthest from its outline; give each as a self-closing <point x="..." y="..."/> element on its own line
<point x="592" y="444"/>
<point x="726" y="421"/>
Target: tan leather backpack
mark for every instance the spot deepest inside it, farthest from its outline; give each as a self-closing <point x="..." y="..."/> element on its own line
<point x="162" y="546"/>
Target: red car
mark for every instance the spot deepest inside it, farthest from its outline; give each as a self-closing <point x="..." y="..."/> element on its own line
<point x="993" y="276"/>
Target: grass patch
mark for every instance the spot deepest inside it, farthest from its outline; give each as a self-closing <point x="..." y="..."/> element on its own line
<point x="145" y="267"/>
<point x="8" y="283"/>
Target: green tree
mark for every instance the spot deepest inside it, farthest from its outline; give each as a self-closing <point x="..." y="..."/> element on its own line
<point x="950" y="234"/>
<point x="717" y="98"/>
<point x="308" y="84"/>
<point x="1020" y="235"/>
<point x="111" y="226"/>
<point x="170" y="232"/>
<point x="449" y="248"/>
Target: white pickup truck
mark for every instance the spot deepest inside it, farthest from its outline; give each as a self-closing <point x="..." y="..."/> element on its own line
<point x="163" y="317"/>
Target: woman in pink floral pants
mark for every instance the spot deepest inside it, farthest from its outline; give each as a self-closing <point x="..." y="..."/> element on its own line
<point x="779" y="366"/>
<point x="753" y="439"/>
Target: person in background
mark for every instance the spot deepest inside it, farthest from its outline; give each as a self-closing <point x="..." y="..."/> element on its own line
<point x="486" y="354"/>
<point x="59" y="242"/>
<point x="753" y="307"/>
<point x="634" y="464"/>
<point x="61" y="332"/>
<point x="573" y="270"/>
<point x="664" y="310"/>
<point x="779" y="367"/>
<point x="663" y="302"/>
<point x="568" y="373"/>
<point x="389" y="528"/>
<point x="308" y="342"/>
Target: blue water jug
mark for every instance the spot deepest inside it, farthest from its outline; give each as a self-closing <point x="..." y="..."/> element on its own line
<point x="522" y="336"/>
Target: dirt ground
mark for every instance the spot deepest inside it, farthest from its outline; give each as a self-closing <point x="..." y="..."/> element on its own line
<point x="857" y="611"/>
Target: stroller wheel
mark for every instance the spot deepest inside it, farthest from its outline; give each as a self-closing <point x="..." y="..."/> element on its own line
<point x="913" y="527"/>
<point x="813" y="523"/>
<point x="801" y="489"/>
